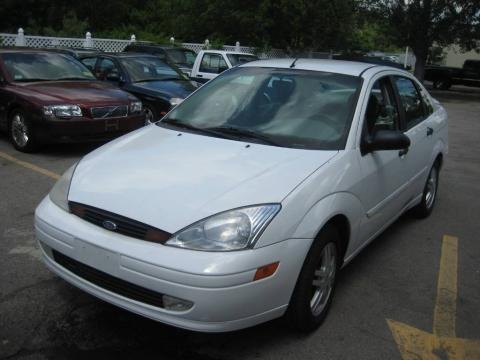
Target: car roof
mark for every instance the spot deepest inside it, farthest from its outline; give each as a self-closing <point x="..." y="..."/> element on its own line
<point x="353" y="68"/>
<point x="157" y="46"/>
<point x="123" y="55"/>
<point x="228" y="52"/>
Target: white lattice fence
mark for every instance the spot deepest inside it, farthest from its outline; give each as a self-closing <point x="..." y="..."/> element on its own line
<point x="110" y="45"/>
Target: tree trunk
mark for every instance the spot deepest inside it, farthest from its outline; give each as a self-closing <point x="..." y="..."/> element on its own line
<point x="420" y="61"/>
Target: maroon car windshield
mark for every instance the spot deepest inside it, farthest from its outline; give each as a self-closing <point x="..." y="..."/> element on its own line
<point x="26" y="67"/>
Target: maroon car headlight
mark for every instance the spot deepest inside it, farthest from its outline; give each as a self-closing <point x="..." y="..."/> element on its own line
<point x="62" y="111"/>
<point x="135" y="107"/>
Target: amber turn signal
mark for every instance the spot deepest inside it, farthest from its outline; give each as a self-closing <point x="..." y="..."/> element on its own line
<point x="266" y="271"/>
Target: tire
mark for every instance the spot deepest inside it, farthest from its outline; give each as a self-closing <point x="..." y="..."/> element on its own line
<point x="424" y="209"/>
<point x="21" y="133"/>
<point x="442" y="84"/>
<point x="151" y="115"/>
<point x="312" y="297"/>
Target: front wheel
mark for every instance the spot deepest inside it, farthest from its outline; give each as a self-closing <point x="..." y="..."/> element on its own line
<point x="150" y="114"/>
<point x="315" y="286"/>
<point x="21" y="132"/>
<point x="425" y="207"/>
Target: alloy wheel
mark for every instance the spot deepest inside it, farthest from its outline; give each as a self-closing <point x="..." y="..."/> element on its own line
<point x="19" y="130"/>
<point x="324" y="279"/>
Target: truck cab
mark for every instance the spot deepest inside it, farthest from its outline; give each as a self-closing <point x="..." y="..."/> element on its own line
<point x="210" y="63"/>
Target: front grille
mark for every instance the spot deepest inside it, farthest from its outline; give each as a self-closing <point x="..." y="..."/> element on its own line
<point x="108" y="282"/>
<point x="109" y="112"/>
<point x="123" y="225"/>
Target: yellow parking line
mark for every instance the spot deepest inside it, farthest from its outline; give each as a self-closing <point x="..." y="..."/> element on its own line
<point x="445" y="306"/>
<point x="30" y="166"/>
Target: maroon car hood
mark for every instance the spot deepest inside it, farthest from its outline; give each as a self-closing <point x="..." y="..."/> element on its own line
<point x="83" y="93"/>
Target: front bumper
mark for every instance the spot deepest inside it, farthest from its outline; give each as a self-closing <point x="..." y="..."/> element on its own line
<point x="220" y="285"/>
<point x="84" y="129"/>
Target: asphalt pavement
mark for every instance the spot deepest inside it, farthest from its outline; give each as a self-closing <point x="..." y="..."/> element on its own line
<point x="393" y="279"/>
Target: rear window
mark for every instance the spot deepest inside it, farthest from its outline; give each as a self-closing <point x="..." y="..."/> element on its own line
<point x="238" y="59"/>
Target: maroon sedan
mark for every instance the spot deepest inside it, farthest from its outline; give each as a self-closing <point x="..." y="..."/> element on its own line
<point x="50" y="97"/>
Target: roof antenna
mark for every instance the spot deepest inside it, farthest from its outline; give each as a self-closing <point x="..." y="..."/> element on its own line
<point x="293" y="63"/>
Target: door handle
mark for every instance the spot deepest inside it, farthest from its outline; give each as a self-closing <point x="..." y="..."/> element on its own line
<point x="429" y="131"/>
<point x="199" y="75"/>
<point x="403" y="152"/>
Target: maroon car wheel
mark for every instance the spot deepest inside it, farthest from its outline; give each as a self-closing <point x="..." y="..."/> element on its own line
<point x="21" y="132"/>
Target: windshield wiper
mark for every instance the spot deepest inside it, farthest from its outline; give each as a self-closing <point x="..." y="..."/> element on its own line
<point x="73" y="78"/>
<point x="160" y="79"/>
<point x="177" y="123"/>
<point x="32" y="80"/>
<point x="245" y="133"/>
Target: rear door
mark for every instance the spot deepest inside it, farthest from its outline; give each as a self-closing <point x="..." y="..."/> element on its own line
<point x="418" y="128"/>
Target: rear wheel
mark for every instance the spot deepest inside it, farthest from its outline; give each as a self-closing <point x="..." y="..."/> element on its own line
<point x="315" y="286"/>
<point x="442" y="84"/>
<point x="425" y="207"/>
<point x="21" y="132"/>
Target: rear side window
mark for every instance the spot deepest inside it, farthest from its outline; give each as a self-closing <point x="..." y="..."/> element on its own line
<point x="213" y="63"/>
<point x="411" y="101"/>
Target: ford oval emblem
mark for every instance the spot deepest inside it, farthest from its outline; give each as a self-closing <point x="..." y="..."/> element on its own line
<point x="109" y="225"/>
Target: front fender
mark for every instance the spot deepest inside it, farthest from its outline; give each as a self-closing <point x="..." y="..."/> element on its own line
<point x="341" y="203"/>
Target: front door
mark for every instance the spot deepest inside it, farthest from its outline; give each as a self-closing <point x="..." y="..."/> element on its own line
<point x="385" y="179"/>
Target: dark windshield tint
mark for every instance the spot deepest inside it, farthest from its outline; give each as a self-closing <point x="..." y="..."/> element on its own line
<point x="182" y="57"/>
<point x="149" y="68"/>
<point x="44" y="67"/>
<point x="293" y="108"/>
<point x="238" y="59"/>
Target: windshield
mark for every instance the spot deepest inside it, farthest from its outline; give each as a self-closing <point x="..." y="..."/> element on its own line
<point x="238" y="59"/>
<point x="149" y="68"/>
<point x="182" y="57"/>
<point x="285" y="107"/>
<point x="25" y="67"/>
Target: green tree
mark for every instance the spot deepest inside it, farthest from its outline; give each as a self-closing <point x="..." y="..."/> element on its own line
<point x="421" y="24"/>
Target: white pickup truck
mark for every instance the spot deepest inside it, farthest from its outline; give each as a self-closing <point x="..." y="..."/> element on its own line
<point x="209" y="63"/>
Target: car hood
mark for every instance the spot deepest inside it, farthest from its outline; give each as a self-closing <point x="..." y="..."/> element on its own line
<point x="77" y="92"/>
<point x="165" y="88"/>
<point x="169" y="179"/>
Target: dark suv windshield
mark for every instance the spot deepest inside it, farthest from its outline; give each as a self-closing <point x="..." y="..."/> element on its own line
<point x="285" y="107"/>
<point x="25" y="67"/>
<point x="147" y="68"/>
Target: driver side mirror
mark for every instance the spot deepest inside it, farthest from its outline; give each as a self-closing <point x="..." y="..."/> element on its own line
<point x="385" y="140"/>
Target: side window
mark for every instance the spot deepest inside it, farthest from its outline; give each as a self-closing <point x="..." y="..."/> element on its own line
<point x="382" y="111"/>
<point x="90" y="63"/>
<point x="427" y="102"/>
<point x="213" y="63"/>
<point x="411" y="101"/>
<point x="105" y="68"/>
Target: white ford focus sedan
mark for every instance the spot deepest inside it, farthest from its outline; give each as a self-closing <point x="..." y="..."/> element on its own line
<point x="242" y="204"/>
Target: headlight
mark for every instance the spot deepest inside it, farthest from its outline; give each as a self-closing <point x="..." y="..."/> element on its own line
<point x="59" y="192"/>
<point x="232" y="230"/>
<point x="135" y="107"/>
<point x="62" y="110"/>
<point x="175" y="101"/>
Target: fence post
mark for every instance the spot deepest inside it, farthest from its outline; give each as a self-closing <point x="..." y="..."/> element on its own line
<point x="207" y="44"/>
<point x="133" y="38"/>
<point x="20" y="40"/>
<point x="88" y="40"/>
<point x="237" y="46"/>
<point x="172" y="40"/>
